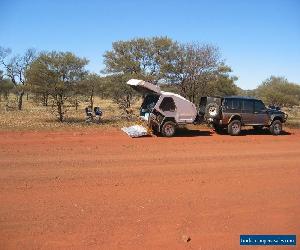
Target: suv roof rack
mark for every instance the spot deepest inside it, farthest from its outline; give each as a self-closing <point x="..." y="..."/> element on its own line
<point x="241" y="97"/>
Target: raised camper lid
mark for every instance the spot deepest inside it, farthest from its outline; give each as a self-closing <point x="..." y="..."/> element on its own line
<point x="144" y="87"/>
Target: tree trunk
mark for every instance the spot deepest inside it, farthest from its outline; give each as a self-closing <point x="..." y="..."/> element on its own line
<point x="45" y="100"/>
<point x="59" y="110"/>
<point x="128" y="101"/>
<point x="92" y="99"/>
<point x="76" y="104"/>
<point x="59" y="103"/>
<point x="20" y="102"/>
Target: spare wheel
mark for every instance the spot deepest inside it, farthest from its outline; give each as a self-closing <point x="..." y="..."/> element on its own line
<point x="212" y="109"/>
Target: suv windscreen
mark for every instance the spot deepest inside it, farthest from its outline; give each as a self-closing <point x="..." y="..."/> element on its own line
<point x="247" y="106"/>
<point x="259" y="106"/>
<point x="167" y="104"/>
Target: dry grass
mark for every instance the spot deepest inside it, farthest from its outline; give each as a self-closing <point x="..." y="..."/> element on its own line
<point x="37" y="117"/>
<point x="294" y="117"/>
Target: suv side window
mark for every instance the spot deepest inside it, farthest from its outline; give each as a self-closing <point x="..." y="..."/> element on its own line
<point x="247" y="106"/>
<point x="259" y="106"/>
<point x="167" y="104"/>
<point x="231" y="104"/>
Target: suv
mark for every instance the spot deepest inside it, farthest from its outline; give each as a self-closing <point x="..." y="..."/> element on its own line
<point x="232" y="112"/>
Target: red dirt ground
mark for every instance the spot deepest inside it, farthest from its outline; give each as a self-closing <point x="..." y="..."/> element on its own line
<point x="104" y="190"/>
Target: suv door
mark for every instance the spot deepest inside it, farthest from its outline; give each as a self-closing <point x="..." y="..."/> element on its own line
<point x="230" y="106"/>
<point x="261" y="114"/>
<point x="247" y="112"/>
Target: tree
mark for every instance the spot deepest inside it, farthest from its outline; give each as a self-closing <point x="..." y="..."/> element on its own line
<point x="120" y="92"/>
<point x="91" y="85"/>
<point x="198" y="70"/>
<point x="58" y="73"/>
<point x="5" y="86"/>
<point x="16" y="68"/>
<point x="278" y="91"/>
<point x="222" y="84"/>
<point x="141" y="58"/>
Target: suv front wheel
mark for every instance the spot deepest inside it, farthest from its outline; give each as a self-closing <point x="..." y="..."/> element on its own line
<point x="276" y="127"/>
<point x="234" y="127"/>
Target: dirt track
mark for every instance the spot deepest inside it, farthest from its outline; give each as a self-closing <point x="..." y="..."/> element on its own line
<point x="86" y="190"/>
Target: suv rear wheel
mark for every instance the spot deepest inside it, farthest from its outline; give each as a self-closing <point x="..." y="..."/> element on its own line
<point x="276" y="127"/>
<point x="234" y="127"/>
<point x="168" y="129"/>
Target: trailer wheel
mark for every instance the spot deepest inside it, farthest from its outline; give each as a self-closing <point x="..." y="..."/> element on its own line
<point x="168" y="129"/>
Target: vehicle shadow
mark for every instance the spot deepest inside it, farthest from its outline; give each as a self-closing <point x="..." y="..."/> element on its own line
<point x="246" y="132"/>
<point x="260" y="132"/>
<point x="191" y="133"/>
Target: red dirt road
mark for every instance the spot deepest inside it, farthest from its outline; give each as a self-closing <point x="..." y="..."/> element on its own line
<point x="104" y="190"/>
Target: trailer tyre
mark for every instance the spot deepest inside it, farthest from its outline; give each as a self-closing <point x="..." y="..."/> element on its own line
<point x="168" y="129"/>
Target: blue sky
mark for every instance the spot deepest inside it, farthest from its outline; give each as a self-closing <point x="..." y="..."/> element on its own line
<point x="256" y="38"/>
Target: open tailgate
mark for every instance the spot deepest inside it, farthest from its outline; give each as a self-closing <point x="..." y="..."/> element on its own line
<point x="144" y="87"/>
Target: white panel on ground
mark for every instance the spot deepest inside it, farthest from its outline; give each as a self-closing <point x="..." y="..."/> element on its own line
<point x="135" y="131"/>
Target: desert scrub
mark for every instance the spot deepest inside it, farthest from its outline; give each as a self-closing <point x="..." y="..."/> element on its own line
<point x="37" y="117"/>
